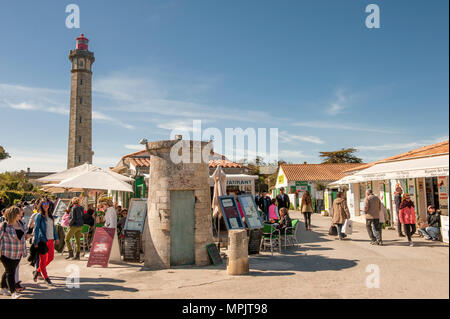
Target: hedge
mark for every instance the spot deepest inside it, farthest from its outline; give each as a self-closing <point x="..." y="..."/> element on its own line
<point x="11" y="197"/>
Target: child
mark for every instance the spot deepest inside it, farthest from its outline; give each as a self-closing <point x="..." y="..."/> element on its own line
<point x="273" y="211"/>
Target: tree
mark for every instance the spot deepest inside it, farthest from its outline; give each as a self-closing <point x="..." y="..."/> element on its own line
<point x="341" y="156"/>
<point x="3" y="153"/>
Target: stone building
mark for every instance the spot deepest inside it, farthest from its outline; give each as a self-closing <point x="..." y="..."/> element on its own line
<point x="80" y="122"/>
<point x="178" y="225"/>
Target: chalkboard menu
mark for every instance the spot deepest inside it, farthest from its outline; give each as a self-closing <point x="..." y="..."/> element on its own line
<point x="132" y="245"/>
<point x="230" y="212"/>
<point x="60" y="208"/>
<point x="101" y="246"/>
<point x="137" y="213"/>
<point x="250" y="211"/>
<point x="254" y="241"/>
<point x="214" y="254"/>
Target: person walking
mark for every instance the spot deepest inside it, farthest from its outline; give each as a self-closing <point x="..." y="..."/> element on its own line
<point x="76" y="222"/>
<point x="398" y="201"/>
<point x="306" y="207"/>
<point x="340" y="213"/>
<point x="372" y="208"/>
<point x="45" y="237"/>
<point x="13" y="247"/>
<point x="283" y="200"/>
<point x="264" y="203"/>
<point x="407" y="215"/>
<point x="432" y="230"/>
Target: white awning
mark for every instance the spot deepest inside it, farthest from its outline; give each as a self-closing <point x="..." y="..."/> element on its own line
<point x="412" y="168"/>
<point x="347" y="180"/>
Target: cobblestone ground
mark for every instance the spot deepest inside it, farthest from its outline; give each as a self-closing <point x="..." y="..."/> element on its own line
<point x="321" y="267"/>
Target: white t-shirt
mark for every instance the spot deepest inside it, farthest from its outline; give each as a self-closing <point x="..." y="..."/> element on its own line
<point x="50" y="234"/>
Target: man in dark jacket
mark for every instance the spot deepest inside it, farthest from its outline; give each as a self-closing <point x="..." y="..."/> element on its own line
<point x="75" y="224"/>
<point x="263" y="204"/>
<point x="283" y="200"/>
<point x="433" y="229"/>
<point x="398" y="201"/>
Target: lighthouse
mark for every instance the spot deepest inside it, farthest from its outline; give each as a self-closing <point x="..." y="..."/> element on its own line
<point x="80" y="121"/>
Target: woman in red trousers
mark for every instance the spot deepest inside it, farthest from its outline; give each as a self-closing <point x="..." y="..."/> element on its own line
<point x="45" y="237"/>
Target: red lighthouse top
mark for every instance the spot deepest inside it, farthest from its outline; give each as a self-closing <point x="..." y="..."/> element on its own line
<point x="82" y="43"/>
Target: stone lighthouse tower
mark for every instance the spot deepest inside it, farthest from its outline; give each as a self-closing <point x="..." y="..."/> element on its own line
<point x="80" y="123"/>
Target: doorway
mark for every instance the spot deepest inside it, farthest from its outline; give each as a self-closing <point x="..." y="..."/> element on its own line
<point x="182" y="223"/>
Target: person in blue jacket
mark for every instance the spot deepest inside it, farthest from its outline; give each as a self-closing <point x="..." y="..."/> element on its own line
<point x="45" y="237"/>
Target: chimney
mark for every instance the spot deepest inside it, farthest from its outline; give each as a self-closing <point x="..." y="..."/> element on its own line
<point x="28" y="170"/>
<point x="304" y="163"/>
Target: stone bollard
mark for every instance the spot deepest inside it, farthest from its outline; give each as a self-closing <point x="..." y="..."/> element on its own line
<point x="237" y="262"/>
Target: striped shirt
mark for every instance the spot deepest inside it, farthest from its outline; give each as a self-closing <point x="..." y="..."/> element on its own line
<point x="10" y="245"/>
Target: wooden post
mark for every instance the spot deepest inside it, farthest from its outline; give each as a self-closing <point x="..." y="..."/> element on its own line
<point x="237" y="263"/>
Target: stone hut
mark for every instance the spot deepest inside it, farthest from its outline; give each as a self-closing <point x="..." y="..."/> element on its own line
<point x="178" y="225"/>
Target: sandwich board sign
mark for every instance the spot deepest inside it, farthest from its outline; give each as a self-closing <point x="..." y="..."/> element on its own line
<point x="101" y="246"/>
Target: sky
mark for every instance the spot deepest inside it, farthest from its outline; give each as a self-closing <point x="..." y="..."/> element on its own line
<point x="310" y="68"/>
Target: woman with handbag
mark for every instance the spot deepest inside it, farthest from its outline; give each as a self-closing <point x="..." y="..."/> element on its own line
<point x="45" y="237"/>
<point x="407" y="215"/>
<point x="13" y="247"/>
<point x="340" y="213"/>
<point x="306" y="207"/>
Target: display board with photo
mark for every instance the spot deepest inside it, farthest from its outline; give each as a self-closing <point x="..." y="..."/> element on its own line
<point x="137" y="213"/>
<point x="60" y="208"/>
<point x="252" y="217"/>
<point x="230" y="212"/>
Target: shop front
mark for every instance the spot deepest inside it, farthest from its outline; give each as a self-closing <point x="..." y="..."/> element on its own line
<point x="237" y="183"/>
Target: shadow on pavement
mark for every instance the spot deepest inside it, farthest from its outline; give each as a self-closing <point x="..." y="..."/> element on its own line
<point x="269" y="273"/>
<point x="307" y="263"/>
<point x="61" y="291"/>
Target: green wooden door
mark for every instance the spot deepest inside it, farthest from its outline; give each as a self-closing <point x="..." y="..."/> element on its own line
<point x="182" y="221"/>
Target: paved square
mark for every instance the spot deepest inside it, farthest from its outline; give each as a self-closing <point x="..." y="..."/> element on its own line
<point x="322" y="267"/>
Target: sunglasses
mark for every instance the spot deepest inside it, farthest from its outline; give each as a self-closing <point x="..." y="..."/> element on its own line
<point x="45" y="203"/>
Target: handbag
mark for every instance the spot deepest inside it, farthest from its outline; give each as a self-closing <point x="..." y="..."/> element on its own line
<point x="347" y="228"/>
<point x="332" y="231"/>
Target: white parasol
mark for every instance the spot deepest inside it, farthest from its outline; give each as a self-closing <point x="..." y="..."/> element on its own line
<point x="220" y="189"/>
<point x="75" y="171"/>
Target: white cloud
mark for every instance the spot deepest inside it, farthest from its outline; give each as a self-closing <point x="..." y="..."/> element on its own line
<point x="25" y="98"/>
<point x="341" y="126"/>
<point x="339" y="103"/>
<point x="136" y="147"/>
<point x="400" y="146"/>
<point x="130" y="93"/>
<point x="289" y="138"/>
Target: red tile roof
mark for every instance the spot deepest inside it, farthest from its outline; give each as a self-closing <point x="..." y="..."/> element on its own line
<point x="224" y="163"/>
<point x="429" y="150"/>
<point x="316" y="172"/>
